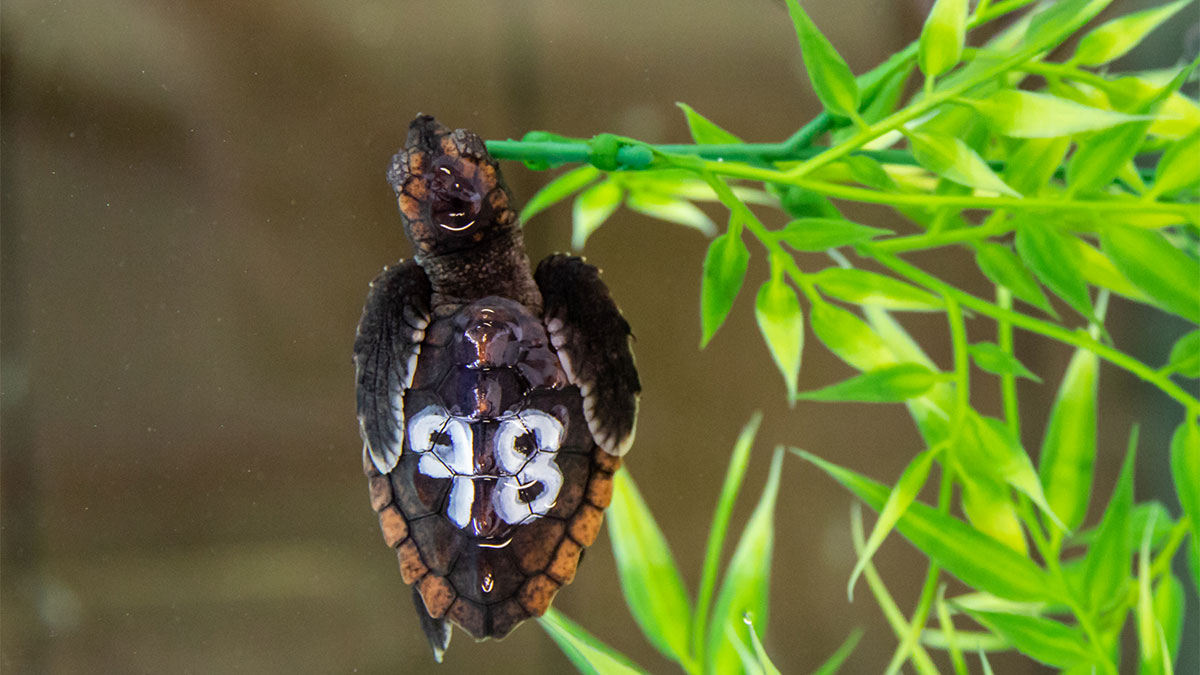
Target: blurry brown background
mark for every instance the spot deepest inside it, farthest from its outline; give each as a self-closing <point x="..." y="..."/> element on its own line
<point x="193" y="204"/>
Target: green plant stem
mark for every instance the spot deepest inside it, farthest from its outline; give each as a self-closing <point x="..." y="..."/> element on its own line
<point x="1033" y="325"/>
<point x="1008" y="381"/>
<point x="927" y="240"/>
<point x="891" y="611"/>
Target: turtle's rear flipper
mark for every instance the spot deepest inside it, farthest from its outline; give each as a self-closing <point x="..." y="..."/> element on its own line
<point x="437" y="630"/>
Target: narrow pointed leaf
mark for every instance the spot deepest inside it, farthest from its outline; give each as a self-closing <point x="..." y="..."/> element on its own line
<point x="975" y="558"/>
<point x="988" y="505"/>
<point x="588" y="654"/>
<point x="836" y="659"/>
<point x="1068" y="452"/>
<point x="1003" y="268"/>
<point x="739" y="459"/>
<point x="1185" y="470"/>
<point x="1107" y="562"/>
<point x="907" y="488"/>
<point x="1147" y="624"/>
<point x="592" y="207"/>
<point x="1179" y="168"/>
<point x="868" y="288"/>
<point x="747" y="579"/>
<point x="1185" y="355"/>
<point x="671" y="209"/>
<point x="954" y="160"/>
<point x="559" y="189"/>
<point x="1047" y="252"/>
<point x="724" y="271"/>
<point x="779" y="319"/>
<point x="703" y="130"/>
<point x="889" y="384"/>
<point x="942" y="37"/>
<point x="650" y="579"/>
<point x="1050" y="642"/>
<point x="1113" y="39"/>
<point x="1166" y="274"/>
<point x="1169" y="605"/>
<point x="989" y="357"/>
<point x="1033" y="164"/>
<point x="994" y="443"/>
<point x="1027" y="114"/>
<point x="849" y="337"/>
<point x="764" y="662"/>
<point x="819" y="234"/>
<point x="1098" y="270"/>
<point x="831" y="78"/>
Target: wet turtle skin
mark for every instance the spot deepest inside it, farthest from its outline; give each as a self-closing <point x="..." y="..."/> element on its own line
<point x="494" y="404"/>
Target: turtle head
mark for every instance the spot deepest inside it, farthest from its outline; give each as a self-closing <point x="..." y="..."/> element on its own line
<point x="449" y="189"/>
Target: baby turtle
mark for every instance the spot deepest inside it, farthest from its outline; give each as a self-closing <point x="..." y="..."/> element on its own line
<point x="494" y="404"/>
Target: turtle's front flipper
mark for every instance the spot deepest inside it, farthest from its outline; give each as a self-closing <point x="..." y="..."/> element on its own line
<point x="592" y="341"/>
<point x="385" y="356"/>
<point x="437" y="630"/>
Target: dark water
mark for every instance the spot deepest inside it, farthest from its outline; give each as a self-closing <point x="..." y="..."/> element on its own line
<point x="193" y="204"/>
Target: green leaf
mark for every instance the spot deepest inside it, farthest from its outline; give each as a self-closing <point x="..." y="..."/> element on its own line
<point x="1141" y="515"/>
<point x="1069" y="447"/>
<point x="987" y="504"/>
<point x="869" y="172"/>
<point x="1166" y="274"/>
<point x="1185" y="469"/>
<point x="1096" y="161"/>
<point x="559" y="189"/>
<point x="819" y="234"/>
<point x="724" y="271"/>
<point x="1179" y="168"/>
<point x="747" y="579"/>
<point x="975" y="558"/>
<point x="703" y="130"/>
<point x="1106" y="564"/>
<point x="1026" y="114"/>
<point x="831" y="78"/>
<point x="1147" y="625"/>
<point x="942" y="37"/>
<point x="1169" y="606"/>
<point x="889" y="384"/>
<point x="989" y="357"/>
<point x="1185" y="355"/>
<point x="954" y="160"/>
<point x="868" y="288"/>
<point x="1050" y="642"/>
<point x="588" y="654"/>
<point x="800" y="203"/>
<point x="592" y="207"/>
<point x="671" y="209"/>
<point x="1003" y="268"/>
<point x="739" y="459"/>
<point x="1098" y="270"/>
<point x="905" y="492"/>
<point x="1113" y="39"/>
<point x="763" y="661"/>
<point x="1047" y="252"/>
<point x="849" y="337"/>
<point x="782" y="325"/>
<point x="649" y="577"/>
<point x="1033" y="163"/>
<point x="835" y="660"/>
<point x="993" y="444"/>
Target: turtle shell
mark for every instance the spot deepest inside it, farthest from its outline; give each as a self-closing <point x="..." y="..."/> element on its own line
<point x="500" y="484"/>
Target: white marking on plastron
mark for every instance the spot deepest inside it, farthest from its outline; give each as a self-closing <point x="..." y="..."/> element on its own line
<point x="462" y="494"/>
<point x="506" y="499"/>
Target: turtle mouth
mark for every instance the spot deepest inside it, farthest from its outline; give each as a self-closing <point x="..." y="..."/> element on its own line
<point x="455" y="202"/>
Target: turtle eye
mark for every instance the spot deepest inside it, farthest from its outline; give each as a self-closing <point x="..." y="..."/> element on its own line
<point x="455" y="201"/>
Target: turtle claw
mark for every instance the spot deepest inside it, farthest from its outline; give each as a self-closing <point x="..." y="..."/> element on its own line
<point x="437" y="630"/>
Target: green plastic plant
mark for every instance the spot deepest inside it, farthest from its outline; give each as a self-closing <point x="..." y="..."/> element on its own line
<point x="1055" y="175"/>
